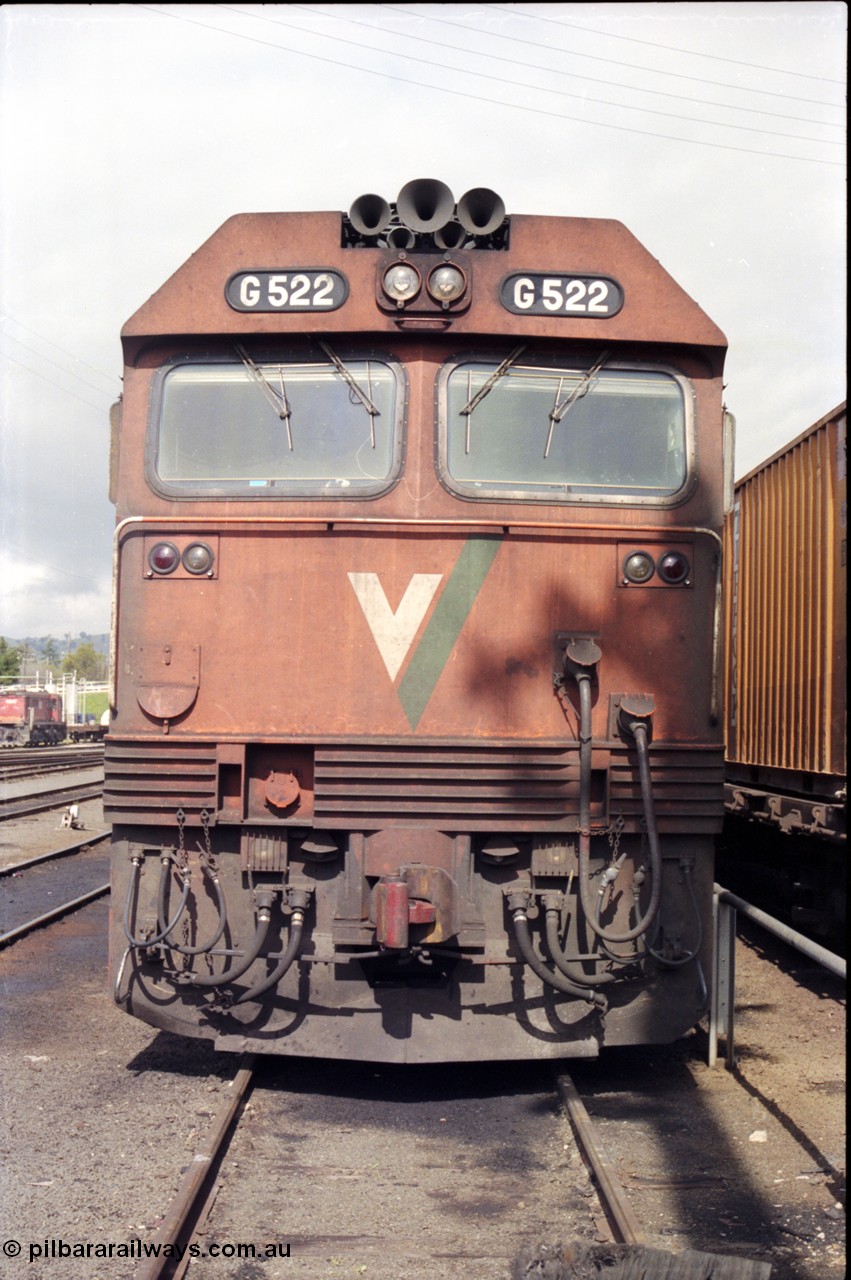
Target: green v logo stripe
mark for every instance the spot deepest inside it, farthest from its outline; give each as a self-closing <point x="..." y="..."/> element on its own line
<point x="444" y="628"/>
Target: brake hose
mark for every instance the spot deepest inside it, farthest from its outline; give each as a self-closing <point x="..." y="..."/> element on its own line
<point x="557" y="980"/>
<point x="677" y="961"/>
<point x="286" y="960"/>
<point x="570" y="969"/>
<point x="264" y="916"/>
<point x="134" y="880"/>
<point x="223" y="917"/>
<point x="638" y="729"/>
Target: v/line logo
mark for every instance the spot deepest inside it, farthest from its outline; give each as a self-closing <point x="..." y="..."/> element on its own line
<point x="394" y="633"/>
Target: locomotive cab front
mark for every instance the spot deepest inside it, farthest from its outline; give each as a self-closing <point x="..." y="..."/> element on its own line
<point x="415" y="750"/>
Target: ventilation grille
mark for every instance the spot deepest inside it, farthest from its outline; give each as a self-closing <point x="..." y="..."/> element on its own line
<point x="688" y="789"/>
<point x="469" y="789"/>
<point x="150" y="781"/>
<point x="495" y="787"/>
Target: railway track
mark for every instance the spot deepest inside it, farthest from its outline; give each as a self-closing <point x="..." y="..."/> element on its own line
<point x="23" y="805"/>
<point x="422" y="1173"/>
<point x="34" y="893"/>
<point x="25" y="762"/>
<point x="604" y="1238"/>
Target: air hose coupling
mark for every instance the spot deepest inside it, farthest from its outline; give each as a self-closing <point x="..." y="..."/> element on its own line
<point x="581" y="657"/>
<point x="636" y="713"/>
<point x="263" y="901"/>
<point x="298" y="901"/>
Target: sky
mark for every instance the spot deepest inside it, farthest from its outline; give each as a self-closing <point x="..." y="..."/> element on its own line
<point x="129" y="133"/>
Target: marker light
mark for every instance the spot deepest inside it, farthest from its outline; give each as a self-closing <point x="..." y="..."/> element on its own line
<point x="446" y="284"/>
<point x="673" y="567"/>
<point x="638" y="567"/>
<point x="197" y="558"/>
<point x="164" y="557"/>
<point x="402" y="283"/>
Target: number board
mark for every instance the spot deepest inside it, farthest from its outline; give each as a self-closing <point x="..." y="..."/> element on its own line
<point x="287" y="289"/>
<point x="538" y="294"/>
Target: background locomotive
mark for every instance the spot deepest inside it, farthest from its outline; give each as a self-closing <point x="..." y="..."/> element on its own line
<point x="415" y="749"/>
<point x="785" y="555"/>
<point x="30" y="719"/>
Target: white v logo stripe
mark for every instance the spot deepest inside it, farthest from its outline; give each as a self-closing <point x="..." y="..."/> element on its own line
<point x="394" y="632"/>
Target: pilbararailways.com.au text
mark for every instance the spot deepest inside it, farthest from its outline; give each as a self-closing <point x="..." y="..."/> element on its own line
<point x="140" y="1249"/>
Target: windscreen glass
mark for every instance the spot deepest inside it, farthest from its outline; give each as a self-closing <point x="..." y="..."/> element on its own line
<point x="563" y="434"/>
<point x="279" y="428"/>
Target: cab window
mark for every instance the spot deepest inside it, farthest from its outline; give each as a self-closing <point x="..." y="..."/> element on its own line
<point x="587" y="433"/>
<point x="277" y="427"/>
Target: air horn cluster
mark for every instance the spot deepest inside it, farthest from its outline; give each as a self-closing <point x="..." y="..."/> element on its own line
<point x="425" y="217"/>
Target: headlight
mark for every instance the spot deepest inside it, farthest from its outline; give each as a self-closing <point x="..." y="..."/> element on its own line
<point x="197" y="558"/>
<point x="401" y="282"/>
<point x="638" y="567"/>
<point x="446" y="284"/>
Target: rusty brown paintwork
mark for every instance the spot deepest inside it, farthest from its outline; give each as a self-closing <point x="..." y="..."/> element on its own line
<point x="261" y="702"/>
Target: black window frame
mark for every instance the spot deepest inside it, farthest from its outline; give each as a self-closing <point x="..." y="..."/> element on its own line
<point x="319" y="490"/>
<point x="475" y="492"/>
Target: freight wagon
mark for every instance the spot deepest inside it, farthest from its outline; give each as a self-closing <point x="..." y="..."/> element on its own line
<point x="786" y="567"/>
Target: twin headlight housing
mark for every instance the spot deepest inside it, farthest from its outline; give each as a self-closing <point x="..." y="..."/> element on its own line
<point x="402" y="283"/>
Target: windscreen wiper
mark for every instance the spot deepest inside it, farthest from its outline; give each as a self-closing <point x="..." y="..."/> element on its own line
<point x="349" y="378"/>
<point x="277" y="399"/>
<point x="498" y="373"/>
<point x="582" y="388"/>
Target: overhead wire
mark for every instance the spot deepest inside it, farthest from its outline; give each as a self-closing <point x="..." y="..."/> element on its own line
<point x="555" y="71"/>
<point x="595" y="57"/>
<point x="68" y="372"/>
<point x="557" y="115"/>
<point x="562" y="93"/>
<point x="654" y="44"/>
<point x="46" y="564"/>
<point x="64" y="390"/>
<point x="5" y="315"/>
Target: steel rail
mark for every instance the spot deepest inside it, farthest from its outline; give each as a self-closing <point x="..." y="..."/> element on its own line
<point x="25" y="805"/>
<point x="65" y="909"/>
<point x="189" y="1192"/>
<point x="614" y="1199"/>
<point x="89" y="840"/>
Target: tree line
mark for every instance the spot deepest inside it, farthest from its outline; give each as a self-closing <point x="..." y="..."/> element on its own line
<point x="85" y="660"/>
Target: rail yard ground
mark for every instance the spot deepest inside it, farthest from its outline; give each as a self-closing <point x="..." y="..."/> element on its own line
<point x="424" y="1174"/>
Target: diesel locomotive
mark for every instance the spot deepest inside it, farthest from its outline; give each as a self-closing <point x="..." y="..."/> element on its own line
<point x="30" y="718"/>
<point x="416" y="745"/>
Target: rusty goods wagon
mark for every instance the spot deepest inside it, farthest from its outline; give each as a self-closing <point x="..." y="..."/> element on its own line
<point x="29" y="718"/>
<point x="416" y="749"/>
<point x="785" y="557"/>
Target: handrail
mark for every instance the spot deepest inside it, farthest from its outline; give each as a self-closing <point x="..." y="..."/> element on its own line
<point x="723" y="1010"/>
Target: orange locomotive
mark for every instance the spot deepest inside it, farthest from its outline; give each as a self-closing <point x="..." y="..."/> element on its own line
<point x="415" y="749"/>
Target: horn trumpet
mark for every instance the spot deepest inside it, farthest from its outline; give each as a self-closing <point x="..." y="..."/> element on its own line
<point x="452" y="236"/>
<point x="481" y="211"/>
<point x="369" y="215"/>
<point x="401" y="238"/>
<point x="425" y="205"/>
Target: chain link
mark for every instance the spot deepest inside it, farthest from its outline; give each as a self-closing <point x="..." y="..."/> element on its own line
<point x="180" y="857"/>
<point x="614" y="832"/>
<point x="207" y="855"/>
